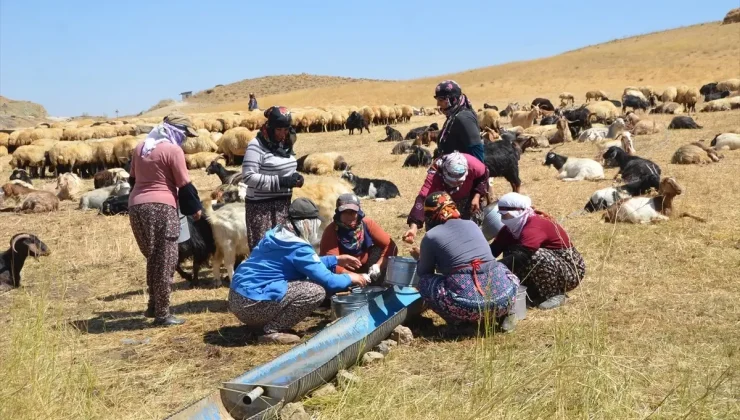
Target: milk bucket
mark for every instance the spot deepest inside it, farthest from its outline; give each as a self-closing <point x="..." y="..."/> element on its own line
<point x="491" y="221"/>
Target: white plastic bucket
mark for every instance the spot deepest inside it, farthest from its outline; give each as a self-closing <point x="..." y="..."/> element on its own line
<point x="491" y="221"/>
<point x="520" y="304"/>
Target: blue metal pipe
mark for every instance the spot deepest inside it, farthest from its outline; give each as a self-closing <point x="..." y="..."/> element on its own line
<point x="307" y="365"/>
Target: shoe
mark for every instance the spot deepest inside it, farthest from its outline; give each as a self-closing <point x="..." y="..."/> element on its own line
<point x="553" y="302"/>
<point x="149" y="312"/>
<point x="278" y="338"/>
<point x="168" y="321"/>
<point x="509" y="323"/>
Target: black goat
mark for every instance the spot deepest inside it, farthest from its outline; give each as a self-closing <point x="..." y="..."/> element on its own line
<point x="615" y="102"/>
<point x="226" y="176"/>
<point x="418" y="157"/>
<point x="21" y="175"/>
<point x="543" y="104"/>
<point x="709" y="89"/>
<point x="550" y="119"/>
<point x="199" y="247"/>
<point x="22" y="245"/>
<point x="393" y="134"/>
<point x="416" y="132"/>
<point x="635" y="103"/>
<point x="578" y="120"/>
<point x="486" y="106"/>
<point x="502" y="160"/>
<point x="371" y="188"/>
<point x="643" y="173"/>
<point x="402" y="147"/>
<point x="355" y="121"/>
<point x="682" y="122"/>
<point x="716" y="95"/>
<point x="115" y="205"/>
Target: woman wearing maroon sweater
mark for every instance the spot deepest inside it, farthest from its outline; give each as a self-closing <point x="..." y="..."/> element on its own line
<point x="538" y="250"/>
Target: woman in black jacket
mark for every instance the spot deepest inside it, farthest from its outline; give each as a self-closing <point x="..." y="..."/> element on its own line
<point x="460" y="131"/>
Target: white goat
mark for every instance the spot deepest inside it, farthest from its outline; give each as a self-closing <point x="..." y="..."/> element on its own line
<point x="229" y="225"/>
<point x="574" y="169"/>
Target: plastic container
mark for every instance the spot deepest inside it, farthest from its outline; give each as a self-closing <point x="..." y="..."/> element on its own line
<point x="491" y="221"/>
<point x="520" y="305"/>
<point x="342" y="305"/>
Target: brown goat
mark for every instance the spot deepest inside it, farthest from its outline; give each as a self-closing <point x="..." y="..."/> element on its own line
<point x="426" y="138"/>
<point x="16" y="191"/>
<point x="39" y="202"/>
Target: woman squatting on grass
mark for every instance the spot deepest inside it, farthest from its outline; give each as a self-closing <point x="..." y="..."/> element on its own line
<point x="284" y="280"/>
<point x="538" y="250"/>
<point x="353" y="233"/>
<point x="470" y="283"/>
<point x="269" y="170"/>
<point x="161" y="184"/>
<point x="462" y="176"/>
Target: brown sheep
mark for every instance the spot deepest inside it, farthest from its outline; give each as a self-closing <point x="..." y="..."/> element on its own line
<point x="695" y="153"/>
<point x="597" y="95"/>
<point x="39" y="202"/>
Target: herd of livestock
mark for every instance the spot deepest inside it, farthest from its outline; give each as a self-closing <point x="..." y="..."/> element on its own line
<point x="74" y="150"/>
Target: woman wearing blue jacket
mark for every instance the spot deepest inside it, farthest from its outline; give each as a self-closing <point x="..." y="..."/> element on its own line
<point x="284" y="280"/>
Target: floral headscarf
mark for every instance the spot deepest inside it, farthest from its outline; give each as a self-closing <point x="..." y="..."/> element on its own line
<point x="352" y="239"/>
<point x="454" y="170"/>
<point x="439" y="208"/>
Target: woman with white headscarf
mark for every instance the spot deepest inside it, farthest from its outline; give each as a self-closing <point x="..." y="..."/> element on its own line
<point x="462" y="176"/>
<point x="538" y="250"/>
<point x="284" y="280"/>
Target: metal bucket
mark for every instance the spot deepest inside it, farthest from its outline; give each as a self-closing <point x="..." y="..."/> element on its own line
<point x="520" y="305"/>
<point x="368" y="291"/>
<point x="342" y="305"/>
<point x="491" y="221"/>
<point x="401" y="271"/>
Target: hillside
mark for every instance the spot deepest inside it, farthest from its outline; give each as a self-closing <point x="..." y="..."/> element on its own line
<point x="690" y="55"/>
<point x="20" y="113"/>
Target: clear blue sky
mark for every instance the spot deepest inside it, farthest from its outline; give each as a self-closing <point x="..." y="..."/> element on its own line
<point x="98" y="56"/>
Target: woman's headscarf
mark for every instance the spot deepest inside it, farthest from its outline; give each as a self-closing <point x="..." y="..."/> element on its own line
<point x="303" y="215"/>
<point x="439" y="208"/>
<point x="519" y="206"/>
<point x="454" y="170"/>
<point x="353" y="240"/>
<point x="450" y="90"/>
<point x="277" y="117"/>
<point x="162" y="133"/>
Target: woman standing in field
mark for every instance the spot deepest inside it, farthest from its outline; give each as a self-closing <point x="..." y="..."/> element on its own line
<point x="269" y="170"/>
<point x="161" y="184"/>
<point x="462" y="176"/>
<point x="538" y="250"/>
<point x="460" y="131"/>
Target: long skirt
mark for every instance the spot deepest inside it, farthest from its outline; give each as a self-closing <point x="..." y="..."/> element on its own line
<point x="263" y="216"/>
<point x="552" y="272"/>
<point x="156" y="228"/>
<point x="455" y="297"/>
<point x="302" y="298"/>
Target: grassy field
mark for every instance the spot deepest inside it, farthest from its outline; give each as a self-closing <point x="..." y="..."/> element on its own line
<point x="651" y="333"/>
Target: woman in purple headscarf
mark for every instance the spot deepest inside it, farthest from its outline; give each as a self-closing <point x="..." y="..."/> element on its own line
<point x="460" y="131"/>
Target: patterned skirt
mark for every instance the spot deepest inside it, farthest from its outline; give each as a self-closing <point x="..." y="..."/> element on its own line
<point x="455" y="297"/>
<point x="552" y="272"/>
<point x="263" y="216"/>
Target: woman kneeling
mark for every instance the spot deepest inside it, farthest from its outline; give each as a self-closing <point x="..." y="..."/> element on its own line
<point x="538" y="250"/>
<point x="470" y="283"/>
<point x="284" y="279"/>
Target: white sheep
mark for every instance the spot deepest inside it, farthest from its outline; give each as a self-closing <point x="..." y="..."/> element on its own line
<point x="94" y="199"/>
<point x="726" y="141"/>
<point x="574" y="169"/>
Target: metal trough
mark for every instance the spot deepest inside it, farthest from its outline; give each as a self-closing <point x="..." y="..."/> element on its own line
<point x="262" y="391"/>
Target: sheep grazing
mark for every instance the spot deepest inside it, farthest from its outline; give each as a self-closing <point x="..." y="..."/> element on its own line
<point x="726" y="141"/>
<point x="21" y="175"/>
<point x="356" y="121"/>
<point x="229" y="228"/>
<point x="524" y="119"/>
<point x="603" y="112"/>
<point x="635" y="103"/>
<point x="321" y="163"/>
<point x="226" y="176"/>
<point x="94" y="199"/>
<point x="574" y="169"/>
<point x="543" y="104"/>
<point x="402" y="147"/>
<point x="502" y="160"/>
<point x="566" y="97"/>
<point x="642" y="210"/>
<point x="378" y="189"/>
<point x="730" y="84"/>
<point x="38" y="202"/>
<point x="392" y="134"/>
<point x="68" y="186"/>
<point x="634" y="169"/>
<point x="418" y="157"/>
<point x="695" y="152"/>
<point x="683" y="122"/>
<point x="201" y="160"/>
<point x="324" y="192"/>
<point x="597" y="95"/>
<point x="202" y="143"/>
<point x="108" y="177"/>
<point x="416" y="132"/>
<point x="22" y="246"/>
<point x="199" y="248"/>
<point x="31" y="157"/>
<point x="688" y="97"/>
<point x="669" y="94"/>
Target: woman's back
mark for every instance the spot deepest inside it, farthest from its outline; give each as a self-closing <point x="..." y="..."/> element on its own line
<point x="453" y="244"/>
<point x="158" y="175"/>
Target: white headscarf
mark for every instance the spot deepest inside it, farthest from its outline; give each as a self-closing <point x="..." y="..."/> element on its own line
<point x="454" y="170"/>
<point x="162" y="133"/>
<point x="519" y="206"/>
<point x="308" y="230"/>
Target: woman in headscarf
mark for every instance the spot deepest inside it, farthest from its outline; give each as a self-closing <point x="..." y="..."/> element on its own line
<point x="269" y="170"/>
<point x="356" y="235"/>
<point x="161" y="187"/>
<point x="462" y="176"/>
<point x="538" y="250"/>
<point x="458" y="277"/>
<point x="460" y="131"/>
<point x="283" y="280"/>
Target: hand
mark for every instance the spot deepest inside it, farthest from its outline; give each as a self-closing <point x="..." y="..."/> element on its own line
<point x="197" y="215"/>
<point x="291" y="181"/>
<point x="349" y="262"/>
<point x="359" y="279"/>
<point x="475" y="204"/>
<point x="410" y="234"/>
<point x="374" y="272"/>
<point x="415" y="252"/>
